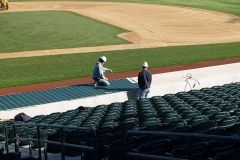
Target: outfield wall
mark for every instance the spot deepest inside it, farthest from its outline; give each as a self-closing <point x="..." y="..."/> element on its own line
<point x="165" y="83"/>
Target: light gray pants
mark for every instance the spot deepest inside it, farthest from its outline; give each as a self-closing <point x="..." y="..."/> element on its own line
<point x="103" y="82"/>
<point x="144" y="93"/>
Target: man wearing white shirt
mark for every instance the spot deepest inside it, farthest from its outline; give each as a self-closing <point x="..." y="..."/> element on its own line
<point x="99" y="72"/>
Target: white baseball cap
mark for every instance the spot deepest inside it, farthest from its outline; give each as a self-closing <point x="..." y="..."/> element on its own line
<point x="103" y="58"/>
<point x="145" y="64"/>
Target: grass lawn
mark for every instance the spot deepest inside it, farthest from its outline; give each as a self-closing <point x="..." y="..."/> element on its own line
<point x="21" y="71"/>
<point x="70" y="30"/>
<point x="228" y="6"/>
<point x="24" y="31"/>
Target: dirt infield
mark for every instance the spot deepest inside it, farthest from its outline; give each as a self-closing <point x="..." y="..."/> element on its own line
<point x="149" y="25"/>
<point x="88" y="80"/>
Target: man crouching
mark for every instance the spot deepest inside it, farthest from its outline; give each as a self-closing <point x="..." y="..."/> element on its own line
<point x="99" y="73"/>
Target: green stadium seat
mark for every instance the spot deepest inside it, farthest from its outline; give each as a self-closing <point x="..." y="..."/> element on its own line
<point x="227" y="122"/>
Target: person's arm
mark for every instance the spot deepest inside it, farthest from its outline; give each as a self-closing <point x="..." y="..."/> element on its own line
<point x="107" y="69"/>
<point x="150" y="75"/>
<point x="139" y="80"/>
<point x="101" y="72"/>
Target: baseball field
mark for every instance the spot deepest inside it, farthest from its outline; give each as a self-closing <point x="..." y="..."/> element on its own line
<point x="44" y="41"/>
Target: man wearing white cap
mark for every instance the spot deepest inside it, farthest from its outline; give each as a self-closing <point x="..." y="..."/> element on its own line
<point x="144" y="81"/>
<point x="99" y="72"/>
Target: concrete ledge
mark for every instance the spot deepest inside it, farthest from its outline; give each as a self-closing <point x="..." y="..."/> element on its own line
<point x="174" y="82"/>
<point x="63" y="106"/>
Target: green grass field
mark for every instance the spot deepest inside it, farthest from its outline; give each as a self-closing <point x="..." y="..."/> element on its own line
<point x="21" y="71"/>
<point x="228" y="6"/>
<point x="53" y="29"/>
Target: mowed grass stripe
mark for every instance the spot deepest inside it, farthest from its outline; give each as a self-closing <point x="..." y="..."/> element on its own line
<point x="228" y="6"/>
<point x="23" y="31"/>
<point x="22" y="71"/>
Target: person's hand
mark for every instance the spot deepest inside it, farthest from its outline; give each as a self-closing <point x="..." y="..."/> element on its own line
<point x="106" y="79"/>
<point x="110" y="71"/>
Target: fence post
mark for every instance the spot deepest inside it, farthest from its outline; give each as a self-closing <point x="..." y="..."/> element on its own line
<point x="126" y="157"/>
<point x="45" y="151"/>
<point x="189" y="148"/>
<point x="39" y="143"/>
<point x="95" y="144"/>
<point x="17" y="144"/>
<point x="6" y="137"/>
<point x="15" y="138"/>
<point x="30" y="146"/>
<point x="62" y="144"/>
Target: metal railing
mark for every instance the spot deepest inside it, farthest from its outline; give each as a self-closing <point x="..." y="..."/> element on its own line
<point x="188" y="136"/>
<point x="61" y="143"/>
<point x="5" y="135"/>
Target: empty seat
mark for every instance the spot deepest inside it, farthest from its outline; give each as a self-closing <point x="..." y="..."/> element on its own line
<point x="227" y="122"/>
<point x="198" y="120"/>
<point x="213" y="111"/>
<point x="203" y="127"/>
<point x="219" y="116"/>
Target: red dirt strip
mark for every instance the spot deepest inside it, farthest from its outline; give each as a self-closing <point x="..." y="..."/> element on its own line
<point x="86" y="80"/>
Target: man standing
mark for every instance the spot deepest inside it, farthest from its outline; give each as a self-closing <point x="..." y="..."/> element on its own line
<point x="99" y="72"/>
<point x="144" y="81"/>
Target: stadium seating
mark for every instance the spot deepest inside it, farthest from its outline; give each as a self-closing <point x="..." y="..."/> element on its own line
<point x="213" y="110"/>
